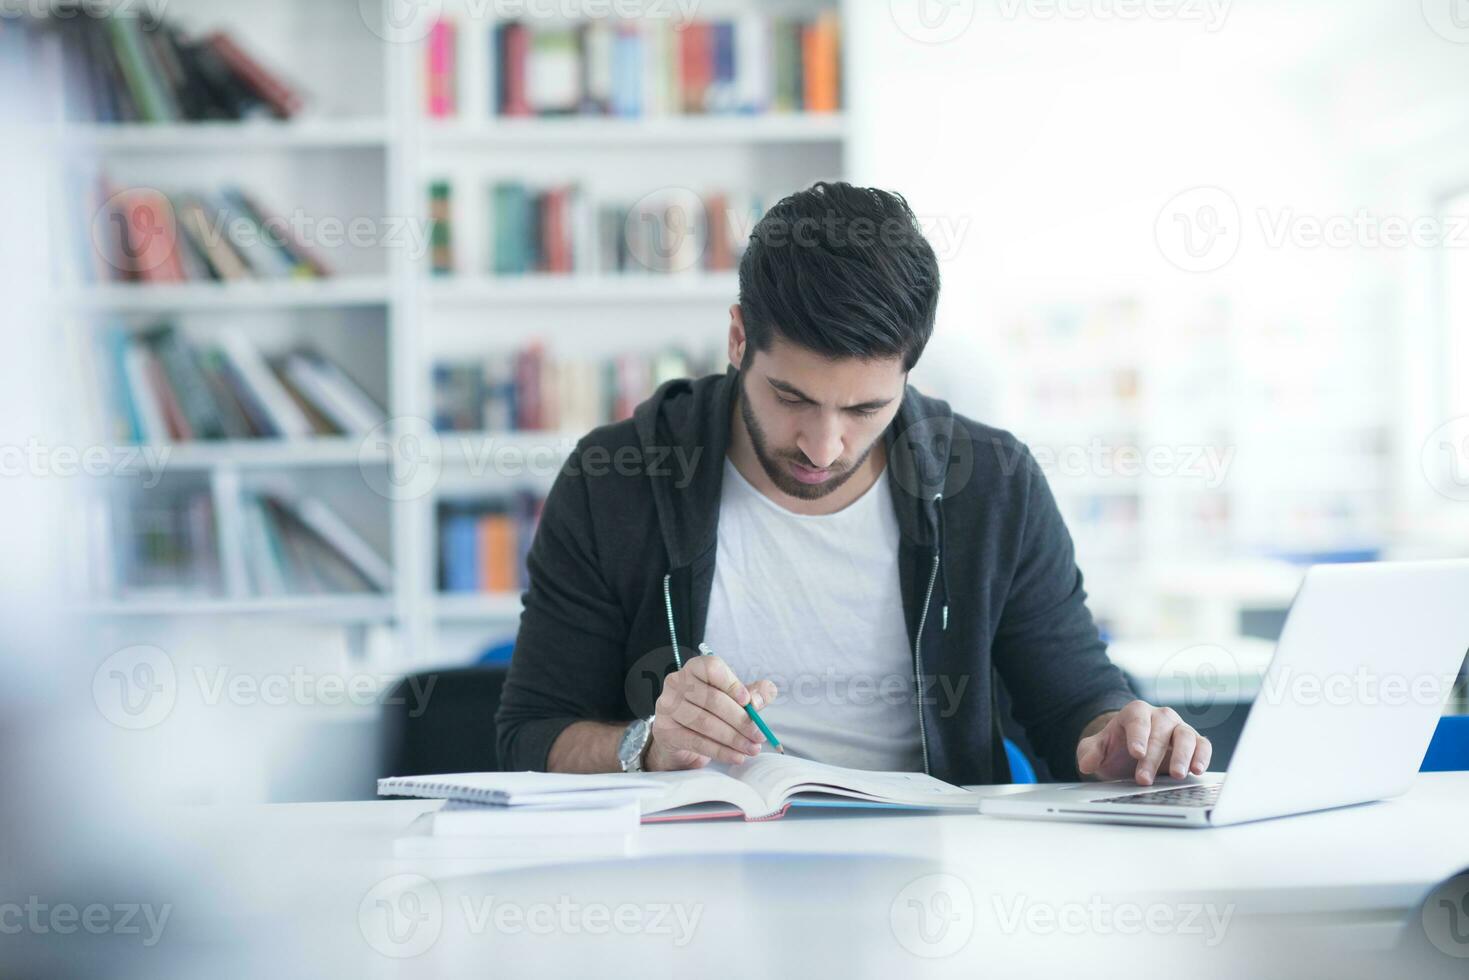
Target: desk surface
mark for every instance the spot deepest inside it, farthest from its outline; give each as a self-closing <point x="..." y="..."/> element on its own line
<point x="853" y="893"/>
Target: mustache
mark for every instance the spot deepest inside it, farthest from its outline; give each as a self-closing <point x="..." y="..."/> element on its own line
<point x="796" y="456"/>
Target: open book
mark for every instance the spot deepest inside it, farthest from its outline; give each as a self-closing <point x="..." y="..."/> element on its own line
<point x="766" y="786"/>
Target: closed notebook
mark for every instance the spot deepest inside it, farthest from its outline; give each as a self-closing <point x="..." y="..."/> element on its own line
<point x="768" y="785"/>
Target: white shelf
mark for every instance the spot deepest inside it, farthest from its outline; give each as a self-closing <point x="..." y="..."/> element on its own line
<point x="248" y="135"/>
<point x="471" y="608"/>
<point x="333" y="292"/>
<point x="262" y="453"/>
<point x="345" y="609"/>
<point x="539" y="289"/>
<point x="790" y="128"/>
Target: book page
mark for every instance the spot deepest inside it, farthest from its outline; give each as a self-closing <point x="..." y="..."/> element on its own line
<point x="777" y="778"/>
<point x="708" y="785"/>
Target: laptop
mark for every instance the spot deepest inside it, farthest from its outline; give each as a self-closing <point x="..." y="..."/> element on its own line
<point x="1345" y="711"/>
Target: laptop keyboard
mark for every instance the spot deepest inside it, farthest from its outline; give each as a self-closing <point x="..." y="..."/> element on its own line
<point x="1203" y="794"/>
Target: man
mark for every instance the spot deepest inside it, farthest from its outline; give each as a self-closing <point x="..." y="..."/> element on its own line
<point x="860" y="561"/>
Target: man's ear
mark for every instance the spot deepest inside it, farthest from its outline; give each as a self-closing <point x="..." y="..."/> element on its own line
<point x="736" y="336"/>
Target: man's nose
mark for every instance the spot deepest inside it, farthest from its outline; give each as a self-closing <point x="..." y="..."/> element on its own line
<point x="822" y="446"/>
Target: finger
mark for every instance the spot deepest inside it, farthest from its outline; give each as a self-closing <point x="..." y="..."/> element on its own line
<point x="691" y="741"/>
<point x="1137" y="725"/>
<point x="1161" y="732"/>
<point x="1203" y="752"/>
<point x="716" y="673"/>
<point x="1089" y="754"/>
<point x="1181" y="751"/>
<point x="695" y="718"/>
<point x="721" y="705"/>
<point x="763" y="692"/>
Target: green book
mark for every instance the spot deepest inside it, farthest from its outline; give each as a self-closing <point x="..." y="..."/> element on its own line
<point x="152" y="99"/>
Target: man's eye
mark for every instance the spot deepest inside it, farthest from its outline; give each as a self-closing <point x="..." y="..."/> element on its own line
<point x="864" y="413"/>
<point x="789" y="401"/>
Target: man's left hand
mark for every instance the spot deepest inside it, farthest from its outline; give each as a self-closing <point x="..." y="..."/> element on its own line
<point x="1142" y="741"/>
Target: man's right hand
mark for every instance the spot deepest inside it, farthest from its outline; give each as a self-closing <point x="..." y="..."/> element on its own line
<point x="701" y="716"/>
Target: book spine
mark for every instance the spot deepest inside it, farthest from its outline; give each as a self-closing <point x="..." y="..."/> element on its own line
<point x="440" y="82"/>
<point x="517" y="57"/>
<point x="146" y="88"/>
<point x="283" y="100"/>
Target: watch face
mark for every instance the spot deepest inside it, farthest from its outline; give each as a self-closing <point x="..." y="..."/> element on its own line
<point x="633" y="740"/>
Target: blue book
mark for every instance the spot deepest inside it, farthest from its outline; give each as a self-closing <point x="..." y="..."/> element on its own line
<point x="627" y="74"/>
<point x="460" y="545"/>
<point x="117" y="345"/>
<point x="724" y="63"/>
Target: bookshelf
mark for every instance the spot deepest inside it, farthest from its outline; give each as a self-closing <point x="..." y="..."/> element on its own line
<point x="366" y="147"/>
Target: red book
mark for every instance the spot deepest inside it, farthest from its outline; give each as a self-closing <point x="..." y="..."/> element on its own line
<point x="528" y="388"/>
<point x="718" y="255"/>
<point x="283" y="100"/>
<point x="696" y="64"/>
<point x="149" y="236"/>
<point x="558" y="243"/>
<point x="517" y="54"/>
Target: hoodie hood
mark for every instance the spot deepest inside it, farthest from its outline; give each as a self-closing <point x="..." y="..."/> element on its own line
<point x="927" y="454"/>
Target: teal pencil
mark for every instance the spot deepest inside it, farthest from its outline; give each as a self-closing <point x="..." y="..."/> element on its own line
<point x="754" y="715"/>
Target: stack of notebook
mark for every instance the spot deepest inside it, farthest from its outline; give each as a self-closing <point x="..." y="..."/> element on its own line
<point x="513" y="814"/>
<point x="540" y="815"/>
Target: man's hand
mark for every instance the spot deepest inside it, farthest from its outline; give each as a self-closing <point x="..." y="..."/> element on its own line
<point x="701" y="716"/>
<point x="1142" y="741"/>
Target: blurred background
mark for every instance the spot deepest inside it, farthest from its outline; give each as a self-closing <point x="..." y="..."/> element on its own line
<point x="306" y="302"/>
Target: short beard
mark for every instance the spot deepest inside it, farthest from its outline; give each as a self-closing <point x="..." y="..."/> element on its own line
<point x="779" y="475"/>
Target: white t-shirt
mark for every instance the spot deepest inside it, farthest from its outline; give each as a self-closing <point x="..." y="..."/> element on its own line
<point x="814" y="604"/>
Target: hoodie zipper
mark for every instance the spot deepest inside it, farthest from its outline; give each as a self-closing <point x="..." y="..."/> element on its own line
<point x="672" y="633"/>
<point x="933" y="574"/>
<point x="918" y="659"/>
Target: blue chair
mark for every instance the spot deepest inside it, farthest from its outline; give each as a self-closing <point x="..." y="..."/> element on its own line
<point x="1021" y="771"/>
<point x="1449" y="750"/>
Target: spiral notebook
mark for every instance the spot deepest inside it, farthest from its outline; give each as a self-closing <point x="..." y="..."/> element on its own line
<point x="546" y="789"/>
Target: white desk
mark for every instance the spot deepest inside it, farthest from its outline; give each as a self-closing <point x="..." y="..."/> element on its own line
<point x="817" y="895"/>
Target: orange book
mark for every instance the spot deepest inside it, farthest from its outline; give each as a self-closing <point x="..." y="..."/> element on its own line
<point x="819" y="51"/>
<point x="497" y="553"/>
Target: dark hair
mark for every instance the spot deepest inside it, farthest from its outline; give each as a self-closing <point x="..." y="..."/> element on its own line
<point x="844" y="271"/>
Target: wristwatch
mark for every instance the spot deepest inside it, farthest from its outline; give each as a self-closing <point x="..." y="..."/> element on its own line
<point x="634" y="743"/>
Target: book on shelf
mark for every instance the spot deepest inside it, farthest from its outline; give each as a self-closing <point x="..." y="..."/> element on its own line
<point x="483" y="543"/>
<point x="156" y="386"/>
<point x="162" y="546"/>
<point x="303" y="546"/>
<point x="140" y="234"/>
<point x="134" y="67"/>
<point x="440" y="227"/>
<point x="558" y="230"/>
<point x="750" y="64"/>
<point x="531" y="390"/>
<point x="440" y="70"/>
